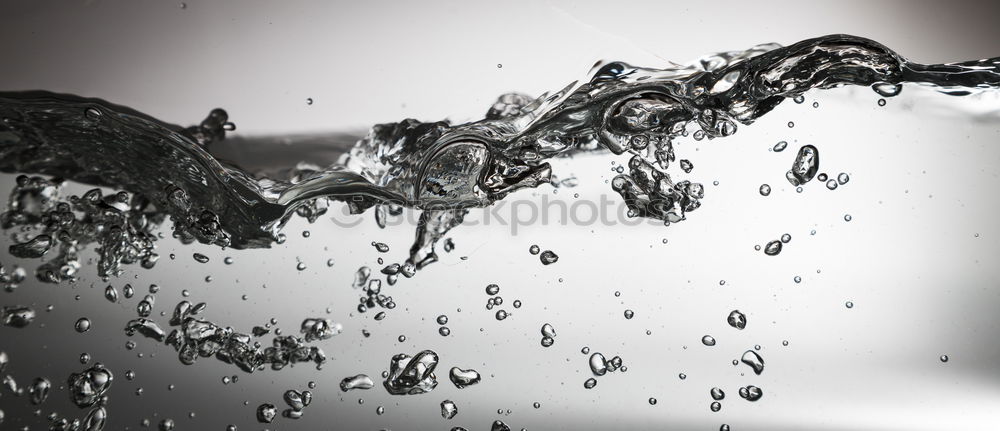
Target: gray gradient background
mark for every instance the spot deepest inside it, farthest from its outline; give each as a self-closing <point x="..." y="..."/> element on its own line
<point x="924" y="173"/>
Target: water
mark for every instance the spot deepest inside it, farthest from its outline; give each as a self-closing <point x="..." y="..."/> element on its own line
<point x="171" y="183"/>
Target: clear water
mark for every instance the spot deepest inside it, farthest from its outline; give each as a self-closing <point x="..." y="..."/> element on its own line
<point x="652" y="122"/>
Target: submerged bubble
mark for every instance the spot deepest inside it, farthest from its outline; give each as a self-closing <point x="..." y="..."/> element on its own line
<point x="548" y="257"/>
<point x="944" y="358"/>
<point x="492" y="289"/>
<point x="708" y="340"/>
<point x="111" y="294"/>
<point x="201" y="258"/>
<point x="360" y="381"/>
<point x="82" y="325"/>
<point x="780" y="146"/>
<point x="772" y="248"/>
<point x="843" y="178"/>
<point x="717" y="394"/>
<point x="765" y="190"/>
<point x="754" y="360"/>
<point x="463" y="378"/>
<point x="598" y="364"/>
<point x="737" y="319"/>
<point x="751" y="393"/>
<point x="590" y="383"/>
<point x="38" y="391"/>
<point x="448" y="409"/>
<point x="804" y="166"/>
<point x="266" y="413"/>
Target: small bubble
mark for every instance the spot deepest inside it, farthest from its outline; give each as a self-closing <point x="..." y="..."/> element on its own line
<point x="444" y="331"/>
<point x="832" y="184"/>
<point x="797" y="279"/>
<point x="682" y="376"/>
<point x="847" y="217"/>
<point x="843" y="178"/>
<point x="301" y="266"/>
<point x="590" y="383"/>
<point x="82" y="325"/>
<point x="791" y="124"/>
<point x="849" y="304"/>
<point x="881" y="102"/>
<point x="629" y="314"/>
<point x="780" y="146"/>
<point x="944" y="358"/>
<point x="309" y="101"/>
<point x="799" y="99"/>
<point x="815" y="104"/>
<point x="708" y="340"/>
<point x="499" y="65"/>
<point x="765" y="190"/>
<point x="652" y="401"/>
<point x="716" y="406"/>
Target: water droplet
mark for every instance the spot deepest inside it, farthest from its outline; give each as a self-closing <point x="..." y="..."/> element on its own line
<point x="82" y="325"/>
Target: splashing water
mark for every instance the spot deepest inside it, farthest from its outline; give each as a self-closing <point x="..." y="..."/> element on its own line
<point x="439" y="168"/>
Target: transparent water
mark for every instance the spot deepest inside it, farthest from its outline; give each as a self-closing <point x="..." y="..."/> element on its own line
<point x="635" y="289"/>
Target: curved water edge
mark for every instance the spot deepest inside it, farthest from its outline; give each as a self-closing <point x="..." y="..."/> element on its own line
<point x="437" y="167"/>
